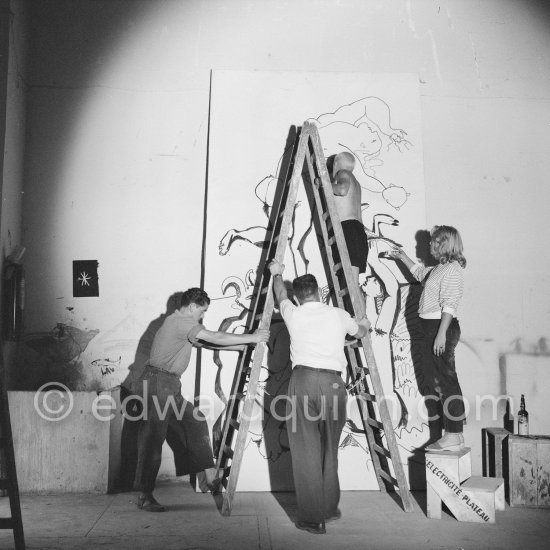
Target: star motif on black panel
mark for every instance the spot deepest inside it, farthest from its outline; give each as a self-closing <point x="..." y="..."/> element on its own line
<point x="85" y="278"/>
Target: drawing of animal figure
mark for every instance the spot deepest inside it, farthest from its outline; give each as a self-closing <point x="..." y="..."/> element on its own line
<point x="364" y="128"/>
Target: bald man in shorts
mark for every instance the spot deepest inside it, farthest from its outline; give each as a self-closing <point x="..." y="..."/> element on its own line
<point x="347" y="197"/>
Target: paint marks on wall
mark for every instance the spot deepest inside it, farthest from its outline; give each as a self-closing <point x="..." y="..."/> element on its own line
<point x="107" y="357"/>
<point x="54" y="356"/>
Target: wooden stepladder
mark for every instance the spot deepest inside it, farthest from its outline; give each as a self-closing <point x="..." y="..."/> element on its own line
<point x="8" y="477"/>
<point x="307" y="163"/>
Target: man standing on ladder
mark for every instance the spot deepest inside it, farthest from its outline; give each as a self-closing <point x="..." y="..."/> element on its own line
<point x="316" y="406"/>
<point x="347" y="197"/>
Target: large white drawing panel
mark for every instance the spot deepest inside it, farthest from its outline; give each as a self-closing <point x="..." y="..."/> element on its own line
<point x="377" y="119"/>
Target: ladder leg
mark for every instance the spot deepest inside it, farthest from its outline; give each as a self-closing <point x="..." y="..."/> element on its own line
<point x="239" y="411"/>
<point x="15" y="522"/>
<point x="378" y="425"/>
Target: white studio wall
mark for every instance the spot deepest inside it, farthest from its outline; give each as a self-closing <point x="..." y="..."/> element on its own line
<point x="116" y="148"/>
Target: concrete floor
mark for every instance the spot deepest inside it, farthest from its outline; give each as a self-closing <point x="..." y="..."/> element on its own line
<point x="261" y="521"/>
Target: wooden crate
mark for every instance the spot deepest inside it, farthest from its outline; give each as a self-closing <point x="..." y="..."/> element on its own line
<point x="494" y="451"/>
<point x="529" y="470"/>
<point x="449" y="480"/>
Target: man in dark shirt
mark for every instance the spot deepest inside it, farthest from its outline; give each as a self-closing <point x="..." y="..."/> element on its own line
<point x="163" y="403"/>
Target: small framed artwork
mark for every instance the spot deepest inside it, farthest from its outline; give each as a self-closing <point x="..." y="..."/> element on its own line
<point x="85" y="278"/>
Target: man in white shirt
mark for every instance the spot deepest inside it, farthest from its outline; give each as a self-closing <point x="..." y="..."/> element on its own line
<point x="316" y="406"/>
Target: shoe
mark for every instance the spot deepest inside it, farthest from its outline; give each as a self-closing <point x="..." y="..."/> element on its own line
<point x="216" y="486"/>
<point x="204" y="486"/>
<point x="334" y="517"/>
<point x="310" y="527"/>
<point x="207" y="481"/>
<point x="450" y="442"/>
<point x="148" y="503"/>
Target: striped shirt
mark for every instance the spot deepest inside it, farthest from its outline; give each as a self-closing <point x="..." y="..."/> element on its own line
<point x="443" y="289"/>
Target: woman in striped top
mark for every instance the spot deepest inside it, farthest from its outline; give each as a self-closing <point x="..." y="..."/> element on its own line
<point x="443" y="288"/>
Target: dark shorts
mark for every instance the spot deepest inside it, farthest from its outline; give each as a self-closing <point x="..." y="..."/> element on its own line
<point x="357" y="243"/>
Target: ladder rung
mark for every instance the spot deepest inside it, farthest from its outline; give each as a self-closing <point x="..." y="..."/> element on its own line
<point x="375" y="423"/>
<point x="382" y="451"/>
<point x="388" y="477"/>
<point x="228" y="451"/>
<point x="6" y="523"/>
<point x="367" y="396"/>
<point x="245" y="369"/>
<point x="223" y="472"/>
<point x="337" y="267"/>
<point x="258" y="317"/>
<point x="343" y="291"/>
<point x="237" y="396"/>
<point x="234" y="423"/>
<point x="331" y="241"/>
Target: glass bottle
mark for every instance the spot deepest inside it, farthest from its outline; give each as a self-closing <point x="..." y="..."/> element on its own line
<point x="523" y="418"/>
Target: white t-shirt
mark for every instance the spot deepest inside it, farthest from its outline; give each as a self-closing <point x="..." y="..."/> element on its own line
<point x="317" y="334"/>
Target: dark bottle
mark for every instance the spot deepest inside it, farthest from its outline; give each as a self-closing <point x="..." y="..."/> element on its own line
<point x="523" y="418"/>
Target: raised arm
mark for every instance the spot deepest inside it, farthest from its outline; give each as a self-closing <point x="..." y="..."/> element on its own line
<point x="279" y="289"/>
<point x="400" y="254"/>
<point x="218" y="338"/>
<point x="418" y="271"/>
<point x="364" y="326"/>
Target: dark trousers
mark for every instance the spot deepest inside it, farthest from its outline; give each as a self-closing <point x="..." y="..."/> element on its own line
<point x="441" y="370"/>
<point x="165" y="408"/>
<point x="316" y="415"/>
